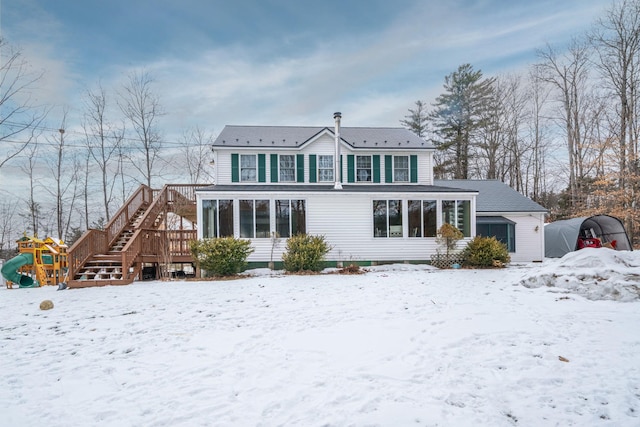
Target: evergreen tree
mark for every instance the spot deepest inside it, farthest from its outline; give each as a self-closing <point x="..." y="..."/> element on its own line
<point x="457" y="115"/>
<point x="416" y="121"/>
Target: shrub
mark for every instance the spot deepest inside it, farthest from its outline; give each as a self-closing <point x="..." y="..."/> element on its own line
<point x="485" y="252"/>
<point x="305" y="253"/>
<point x="223" y="256"/>
<point x="448" y="236"/>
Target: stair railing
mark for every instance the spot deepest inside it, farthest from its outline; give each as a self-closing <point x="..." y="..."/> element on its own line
<point x="142" y="196"/>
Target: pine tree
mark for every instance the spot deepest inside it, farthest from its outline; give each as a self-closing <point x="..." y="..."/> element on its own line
<point x="458" y="114"/>
<point x="417" y="120"/>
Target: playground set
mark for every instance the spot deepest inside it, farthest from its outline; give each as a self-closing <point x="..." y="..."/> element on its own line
<point x="39" y="263"/>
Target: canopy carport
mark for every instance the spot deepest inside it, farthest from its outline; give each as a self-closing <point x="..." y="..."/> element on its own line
<point x="561" y="237"/>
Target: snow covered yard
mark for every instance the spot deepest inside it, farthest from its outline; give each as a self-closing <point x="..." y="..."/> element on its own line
<point x="552" y="344"/>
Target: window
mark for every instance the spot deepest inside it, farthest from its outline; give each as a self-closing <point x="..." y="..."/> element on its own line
<point x="287" y="168"/>
<point x="363" y="168"/>
<point x="387" y="218"/>
<point x="325" y="168"/>
<point x="401" y="168"/>
<point x="248" y="168"/>
<point x="458" y="214"/>
<point x="217" y="218"/>
<point x="290" y="217"/>
<point x="422" y="218"/>
<point x="502" y="229"/>
<point x="254" y="219"/>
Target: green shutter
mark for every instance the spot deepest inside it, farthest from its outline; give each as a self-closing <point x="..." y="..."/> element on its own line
<point x="262" y="168"/>
<point x="341" y="167"/>
<point x="300" y="167"/>
<point x="274" y="167"/>
<point x="414" y="168"/>
<point x="376" y="168"/>
<point x="388" y="168"/>
<point x="351" y="168"/>
<point x="313" y="172"/>
<point x="235" y="168"/>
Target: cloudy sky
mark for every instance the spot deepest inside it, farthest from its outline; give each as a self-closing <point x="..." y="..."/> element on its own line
<point x="283" y="62"/>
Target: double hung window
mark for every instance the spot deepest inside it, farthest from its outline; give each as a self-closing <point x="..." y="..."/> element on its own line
<point x="287" y="165"/>
<point x="248" y="168"/>
<point x="325" y="168"/>
<point x="400" y="168"/>
<point x="363" y="169"/>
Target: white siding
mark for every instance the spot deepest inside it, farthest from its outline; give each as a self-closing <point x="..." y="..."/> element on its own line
<point x="529" y="237"/>
<point x="346" y="220"/>
<point x="323" y="145"/>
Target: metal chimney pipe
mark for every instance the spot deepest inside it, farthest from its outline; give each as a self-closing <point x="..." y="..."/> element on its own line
<point x="336" y="161"/>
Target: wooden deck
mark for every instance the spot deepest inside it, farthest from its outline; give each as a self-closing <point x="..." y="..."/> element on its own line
<point x="153" y="228"/>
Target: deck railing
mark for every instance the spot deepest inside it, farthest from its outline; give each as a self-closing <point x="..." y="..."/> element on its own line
<point x="147" y="241"/>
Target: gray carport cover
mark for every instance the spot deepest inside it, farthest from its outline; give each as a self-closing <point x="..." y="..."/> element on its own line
<point x="561" y="237"/>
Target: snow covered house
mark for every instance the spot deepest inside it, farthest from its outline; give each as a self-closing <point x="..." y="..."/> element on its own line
<point x="369" y="191"/>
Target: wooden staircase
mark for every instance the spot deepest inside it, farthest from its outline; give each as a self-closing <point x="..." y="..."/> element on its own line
<point x="148" y="230"/>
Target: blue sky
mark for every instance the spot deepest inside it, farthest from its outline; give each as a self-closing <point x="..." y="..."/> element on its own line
<point x="282" y="62"/>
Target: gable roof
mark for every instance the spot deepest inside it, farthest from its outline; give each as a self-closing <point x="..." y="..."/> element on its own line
<point x="494" y="196"/>
<point x="297" y="136"/>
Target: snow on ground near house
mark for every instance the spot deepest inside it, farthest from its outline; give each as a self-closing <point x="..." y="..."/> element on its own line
<point x="398" y="346"/>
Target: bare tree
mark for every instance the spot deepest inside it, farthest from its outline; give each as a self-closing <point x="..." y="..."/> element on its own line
<point x="33" y="207"/>
<point x="141" y="107"/>
<point x="19" y="114"/>
<point x="196" y="149"/>
<point x="64" y="170"/>
<point x="538" y="99"/>
<point x="7" y="226"/>
<point x="568" y="76"/>
<point x="103" y="140"/>
<point x="616" y="38"/>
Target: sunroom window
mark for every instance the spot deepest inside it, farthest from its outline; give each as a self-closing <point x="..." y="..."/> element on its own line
<point x="217" y="218"/>
<point x="290" y="217"/>
<point x="254" y="219"/>
<point x="458" y="214"/>
<point x="422" y="218"/>
<point x="387" y="218"/>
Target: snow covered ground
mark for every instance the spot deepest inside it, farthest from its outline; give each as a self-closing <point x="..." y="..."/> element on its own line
<point x="552" y="344"/>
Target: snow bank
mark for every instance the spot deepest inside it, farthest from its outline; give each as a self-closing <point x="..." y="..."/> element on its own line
<point x="596" y="274"/>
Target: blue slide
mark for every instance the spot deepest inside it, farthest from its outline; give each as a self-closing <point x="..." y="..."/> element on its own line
<point x="10" y="271"/>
